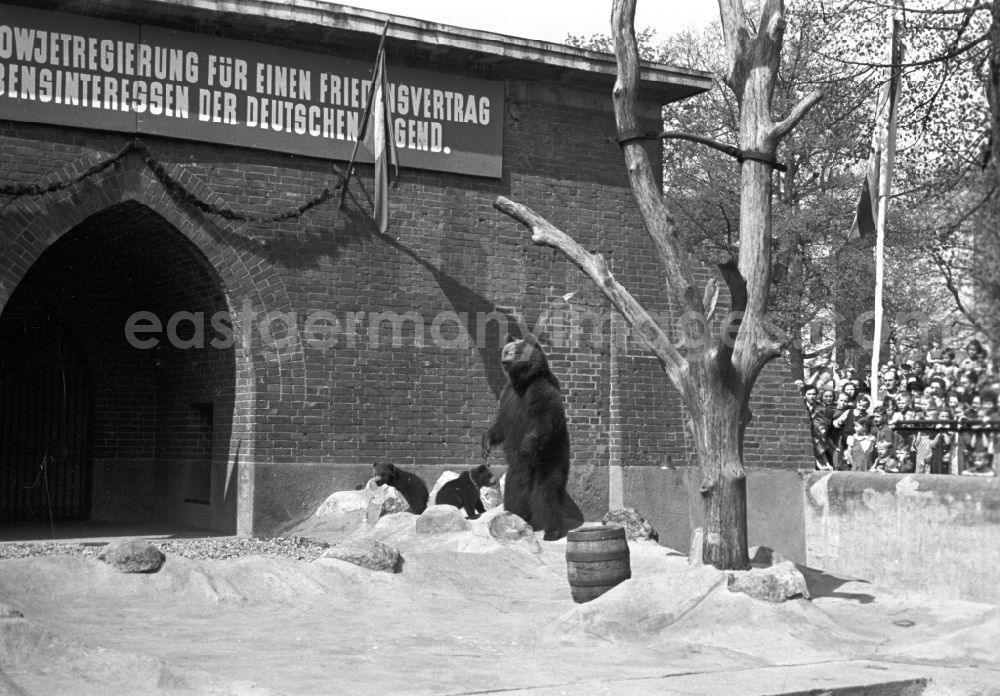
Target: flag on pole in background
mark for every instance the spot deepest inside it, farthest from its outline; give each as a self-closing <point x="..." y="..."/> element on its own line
<point x="376" y="133"/>
<point x="883" y="148"/>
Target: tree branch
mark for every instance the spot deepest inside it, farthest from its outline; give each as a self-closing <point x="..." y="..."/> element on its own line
<point x="647" y="186"/>
<point x="734" y="30"/>
<point x="956" y="293"/>
<point x="544" y="233"/>
<point x="782" y="128"/>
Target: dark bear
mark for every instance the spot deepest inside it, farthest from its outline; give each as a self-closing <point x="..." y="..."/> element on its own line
<point x="409" y="485"/>
<point x="463" y="492"/>
<point x="531" y="425"/>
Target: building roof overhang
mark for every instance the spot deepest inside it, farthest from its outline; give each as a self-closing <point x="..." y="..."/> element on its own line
<point x="334" y="28"/>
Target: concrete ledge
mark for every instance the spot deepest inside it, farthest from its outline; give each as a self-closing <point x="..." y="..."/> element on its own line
<point x="929" y="533"/>
<point x="848" y="678"/>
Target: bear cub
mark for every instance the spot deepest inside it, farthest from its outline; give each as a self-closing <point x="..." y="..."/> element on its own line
<point x="463" y="492"/>
<point x="410" y="486"/>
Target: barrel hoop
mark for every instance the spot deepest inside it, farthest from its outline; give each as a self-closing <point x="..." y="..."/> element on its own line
<point x="591" y="556"/>
<point x="601" y="582"/>
<point x="596" y="534"/>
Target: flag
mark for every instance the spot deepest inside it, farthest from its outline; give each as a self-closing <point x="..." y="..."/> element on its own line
<point x="377" y="134"/>
<point x="878" y="179"/>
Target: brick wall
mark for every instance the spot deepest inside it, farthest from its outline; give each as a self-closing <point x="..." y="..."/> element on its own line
<point x="348" y="348"/>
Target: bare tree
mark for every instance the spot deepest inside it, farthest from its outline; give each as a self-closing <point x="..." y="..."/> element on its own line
<point x="714" y="384"/>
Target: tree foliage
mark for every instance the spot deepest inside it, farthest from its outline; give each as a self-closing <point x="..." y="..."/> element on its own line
<point x="940" y="247"/>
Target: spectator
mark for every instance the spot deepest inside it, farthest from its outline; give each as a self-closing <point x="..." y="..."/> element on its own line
<point x="929" y="446"/>
<point x="819" y="424"/>
<point x="948" y="390"/>
<point x="975" y="356"/>
<point x="891" y="407"/>
<point x="903" y="464"/>
<point x="885" y="456"/>
<point x="862" y="406"/>
<point x="861" y="445"/>
<point x="880" y="426"/>
<point x="982" y="464"/>
<point x="841" y="424"/>
<point x="947" y="367"/>
<point x="850" y="388"/>
<point x="889" y="387"/>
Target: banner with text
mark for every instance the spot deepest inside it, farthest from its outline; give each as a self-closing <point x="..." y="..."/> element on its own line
<point x="79" y="71"/>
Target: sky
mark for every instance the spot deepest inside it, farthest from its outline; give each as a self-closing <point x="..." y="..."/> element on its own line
<point x="547" y="20"/>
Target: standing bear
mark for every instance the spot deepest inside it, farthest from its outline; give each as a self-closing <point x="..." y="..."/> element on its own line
<point x="531" y="425"/>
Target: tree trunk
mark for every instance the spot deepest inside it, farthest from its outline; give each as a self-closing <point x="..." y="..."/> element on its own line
<point x="718" y="434"/>
<point x="716" y="386"/>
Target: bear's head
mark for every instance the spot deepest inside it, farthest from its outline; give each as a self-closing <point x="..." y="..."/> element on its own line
<point x="482" y="476"/>
<point x="524" y="361"/>
<point x="385" y="474"/>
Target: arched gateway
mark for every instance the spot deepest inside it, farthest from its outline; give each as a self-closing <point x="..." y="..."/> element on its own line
<point x="122" y="358"/>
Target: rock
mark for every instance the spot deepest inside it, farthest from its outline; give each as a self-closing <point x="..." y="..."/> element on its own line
<point x="438" y="519"/>
<point x="367" y="553"/>
<point x="775" y="583"/>
<point x="345" y="501"/>
<point x="697" y="545"/>
<point x="9" y="613"/>
<point x="442" y="479"/>
<point x="491" y="497"/>
<point x="636" y="526"/>
<point x="133" y="555"/>
<point x="507" y="526"/>
<point x="385" y="501"/>
<point x="764" y="557"/>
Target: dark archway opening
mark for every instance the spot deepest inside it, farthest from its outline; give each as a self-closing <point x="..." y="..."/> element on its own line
<point x="119" y="375"/>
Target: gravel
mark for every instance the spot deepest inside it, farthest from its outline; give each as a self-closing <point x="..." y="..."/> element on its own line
<point x="208" y="549"/>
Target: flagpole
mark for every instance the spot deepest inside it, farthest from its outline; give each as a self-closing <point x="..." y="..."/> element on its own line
<point x="364" y="118"/>
<point x="887" y="137"/>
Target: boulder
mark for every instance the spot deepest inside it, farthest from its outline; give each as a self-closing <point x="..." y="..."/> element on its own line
<point x="776" y="583"/>
<point x="636" y="526"/>
<point x="442" y="479"/>
<point x="133" y="555"/>
<point x="506" y="526"/>
<point x="7" y="612"/>
<point x="491" y="497"/>
<point x="438" y="519"/>
<point x="384" y="501"/>
<point x="345" y="501"/>
<point x="367" y="553"/>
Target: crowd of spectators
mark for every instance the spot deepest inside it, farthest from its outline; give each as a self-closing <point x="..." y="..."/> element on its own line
<point x="933" y="415"/>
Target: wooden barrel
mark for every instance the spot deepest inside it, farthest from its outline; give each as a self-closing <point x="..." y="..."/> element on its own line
<point x="597" y="559"/>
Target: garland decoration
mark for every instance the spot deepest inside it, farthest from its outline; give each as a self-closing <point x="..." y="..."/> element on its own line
<point x="172" y="184"/>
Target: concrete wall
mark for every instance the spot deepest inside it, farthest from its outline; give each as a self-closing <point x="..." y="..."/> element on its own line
<point x="670" y="500"/>
<point x="937" y="534"/>
<point x="932" y="533"/>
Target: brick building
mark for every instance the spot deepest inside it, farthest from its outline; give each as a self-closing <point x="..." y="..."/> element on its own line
<point x="193" y="332"/>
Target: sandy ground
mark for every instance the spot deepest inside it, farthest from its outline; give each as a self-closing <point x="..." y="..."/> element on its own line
<point x="470" y="615"/>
